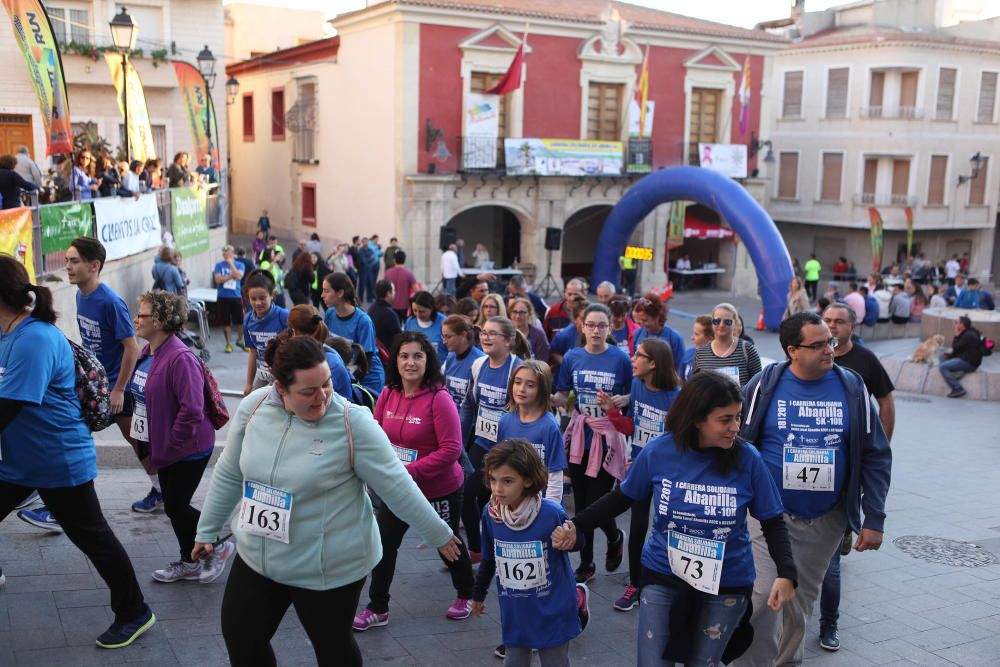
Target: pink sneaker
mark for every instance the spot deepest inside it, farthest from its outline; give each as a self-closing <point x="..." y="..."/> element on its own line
<point x="459" y="609"/>
<point x="369" y="619"/>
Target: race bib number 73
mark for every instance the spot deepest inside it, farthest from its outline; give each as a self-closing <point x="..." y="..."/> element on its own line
<point x="696" y="560"/>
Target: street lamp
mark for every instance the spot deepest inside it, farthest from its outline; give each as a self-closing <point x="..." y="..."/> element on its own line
<point x="232" y="90"/>
<point x="756" y="144"/>
<point x="206" y="65"/>
<point x="975" y="161"/>
<point x="123" y="35"/>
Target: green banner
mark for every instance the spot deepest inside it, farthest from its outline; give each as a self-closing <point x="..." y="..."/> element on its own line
<point x="61" y="223"/>
<point x="188" y="223"/>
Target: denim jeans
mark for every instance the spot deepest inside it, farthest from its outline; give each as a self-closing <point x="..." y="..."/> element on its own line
<point x="829" y="597"/>
<point x="948" y="369"/>
<point x="448" y="285"/>
<point x="718" y="618"/>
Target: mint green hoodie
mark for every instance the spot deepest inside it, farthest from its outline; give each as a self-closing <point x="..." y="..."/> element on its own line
<point x="333" y="538"/>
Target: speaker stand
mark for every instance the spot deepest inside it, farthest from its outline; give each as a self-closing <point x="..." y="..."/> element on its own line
<point x="548" y="286"/>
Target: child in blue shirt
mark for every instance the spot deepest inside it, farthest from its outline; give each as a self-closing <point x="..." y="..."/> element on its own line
<point x="457" y="368"/>
<point x="264" y="321"/>
<point x="343" y="318"/>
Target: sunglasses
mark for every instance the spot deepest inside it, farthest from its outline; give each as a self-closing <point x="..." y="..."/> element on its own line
<point x="718" y="320"/>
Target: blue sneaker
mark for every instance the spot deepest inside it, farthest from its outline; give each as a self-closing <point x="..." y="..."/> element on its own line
<point x="41" y="518"/>
<point x="123" y="634"/>
<point x="148" y="504"/>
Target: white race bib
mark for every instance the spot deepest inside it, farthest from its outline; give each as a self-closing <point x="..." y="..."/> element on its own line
<point x="642" y="436"/>
<point x="488" y="423"/>
<point x="520" y="565"/>
<point x="140" y="423"/>
<point x="405" y="455"/>
<point x="231" y="284"/>
<point x="696" y="560"/>
<point x="265" y="511"/>
<point x="730" y="371"/>
<point x="808" y="468"/>
<point x="586" y="403"/>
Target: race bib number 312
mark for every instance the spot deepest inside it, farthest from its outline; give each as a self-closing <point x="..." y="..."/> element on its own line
<point x="265" y="511"/>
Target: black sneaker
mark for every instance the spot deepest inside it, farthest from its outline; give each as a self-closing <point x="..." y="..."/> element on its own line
<point x="957" y="393"/>
<point x="123" y="634"/>
<point x="616" y="551"/>
<point x="585" y="573"/>
<point x="500" y="652"/>
<point x="829" y="639"/>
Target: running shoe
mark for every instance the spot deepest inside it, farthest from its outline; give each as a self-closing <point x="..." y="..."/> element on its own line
<point x="41" y="518"/>
<point x="369" y="619"/>
<point x="459" y="609"/>
<point x="3" y="577"/>
<point x="229" y="348"/>
<point x="583" y="605"/>
<point x="152" y="501"/>
<point x="475" y="557"/>
<point x="500" y="652"/>
<point x="215" y="565"/>
<point x="585" y="573"/>
<point x="30" y="500"/>
<point x="242" y="346"/>
<point x="616" y="551"/>
<point x="628" y="600"/>
<point x="829" y="639"/>
<point x="123" y="634"/>
<point x="179" y="571"/>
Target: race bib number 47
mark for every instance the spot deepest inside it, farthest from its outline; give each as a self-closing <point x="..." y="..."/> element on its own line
<point x="808" y="468"/>
<point x="521" y="565"/>
<point x="265" y="511"/>
<point x="696" y="560"/>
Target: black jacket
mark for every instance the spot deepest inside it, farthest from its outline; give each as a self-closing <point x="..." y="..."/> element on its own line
<point x="11" y="185"/>
<point x="967" y="347"/>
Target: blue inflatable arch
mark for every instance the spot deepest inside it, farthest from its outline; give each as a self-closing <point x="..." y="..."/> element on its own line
<point x="723" y="195"/>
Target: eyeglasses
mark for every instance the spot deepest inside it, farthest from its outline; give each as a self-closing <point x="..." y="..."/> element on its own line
<point x="644" y="356"/>
<point x="140" y="316"/>
<point x="718" y="320"/>
<point x="490" y="335"/>
<point x="518" y="312"/>
<point x="823" y="344"/>
<point x="595" y="326"/>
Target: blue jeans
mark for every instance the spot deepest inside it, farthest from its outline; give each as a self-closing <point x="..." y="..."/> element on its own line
<point x="448" y="285"/>
<point x="366" y="285"/>
<point x="719" y="616"/>
<point x="948" y="369"/>
<point x="829" y="597"/>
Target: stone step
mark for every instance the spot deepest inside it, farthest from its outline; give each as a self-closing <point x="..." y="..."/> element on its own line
<point x="924" y="378"/>
<point x="118" y="453"/>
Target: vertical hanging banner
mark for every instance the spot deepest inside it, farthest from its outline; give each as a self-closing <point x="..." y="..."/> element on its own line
<point x="15" y="237"/>
<point x="140" y="133"/>
<point x="61" y="223"/>
<point x="40" y="50"/>
<point x="877" y="239"/>
<point x="675" y="224"/>
<point x="200" y="111"/>
<point x="482" y="128"/>
<point x="909" y="232"/>
<point x="187" y="222"/>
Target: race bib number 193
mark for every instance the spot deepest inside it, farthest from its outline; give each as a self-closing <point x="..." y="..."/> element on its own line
<point x="488" y="423"/>
<point x="265" y="511"/>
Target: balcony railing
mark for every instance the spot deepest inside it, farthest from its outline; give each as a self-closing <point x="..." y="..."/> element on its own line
<point x="883" y="199"/>
<point x="485" y="154"/>
<point x="892" y="113"/>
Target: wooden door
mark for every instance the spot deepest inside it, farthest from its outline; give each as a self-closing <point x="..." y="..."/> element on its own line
<point x="15" y="131"/>
<point x="705" y="108"/>
<point x="604" y="111"/>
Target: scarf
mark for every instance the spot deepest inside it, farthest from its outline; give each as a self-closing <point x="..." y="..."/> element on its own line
<point x="518" y="519"/>
<point x="604" y="434"/>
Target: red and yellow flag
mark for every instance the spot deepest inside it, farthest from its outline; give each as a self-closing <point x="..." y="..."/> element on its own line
<point x="642" y="92"/>
<point x="140" y="132"/>
<point x="200" y="111"/>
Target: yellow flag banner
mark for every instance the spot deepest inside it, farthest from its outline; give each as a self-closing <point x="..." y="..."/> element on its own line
<point x="675" y="224"/>
<point x="140" y="134"/>
<point x="38" y="46"/>
<point x="15" y="237"/>
<point x="200" y="111"/>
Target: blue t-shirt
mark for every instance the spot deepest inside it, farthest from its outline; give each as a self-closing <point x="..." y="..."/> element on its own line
<point x="535" y="583"/>
<point x="358" y="328"/>
<point x="804" y="442"/>
<point x="258" y="331"/>
<point x="231" y="288"/>
<point x="137" y="385"/>
<point x="585" y="373"/>
<point x="648" y="410"/>
<point x="687" y="363"/>
<point x="691" y="497"/>
<point x="433" y="332"/>
<point x="621" y="339"/>
<point x="104" y="323"/>
<point x="543" y="434"/>
<point x="488" y="403"/>
<point x="565" y="340"/>
<point x="669" y="336"/>
<point x="871" y="311"/>
<point x="457" y="372"/>
<point x="341" y="377"/>
<point x="48" y="444"/>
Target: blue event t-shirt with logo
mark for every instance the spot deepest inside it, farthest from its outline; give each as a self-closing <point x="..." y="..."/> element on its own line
<point x="691" y="497"/>
<point x="104" y="323"/>
<point x="648" y="410"/>
<point x="565" y="340"/>
<point x="585" y="373"/>
<point x="669" y="336"/>
<point x="457" y="371"/>
<point x="343" y="382"/>
<point x="229" y="289"/>
<point x="48" y="444"/>
<point x="490" y="399"/>
<point x="804" y="442"/>
<point x="538" y="606"/>
<point x="432" y="331"/>
<point x="543" y="434"/>
<point x="258" y="331"/>
<point x="358" y="328"/>
<point x="621" y="339"/>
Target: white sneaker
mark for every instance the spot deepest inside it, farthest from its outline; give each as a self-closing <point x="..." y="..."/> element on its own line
<point x="30" y="500"/>
<point x="179" y="571"/>
<point x="215" y="564"/>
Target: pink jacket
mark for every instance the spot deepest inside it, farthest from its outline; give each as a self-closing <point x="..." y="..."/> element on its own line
<point x="428" y="423"/>
<point x="604" y="433"/>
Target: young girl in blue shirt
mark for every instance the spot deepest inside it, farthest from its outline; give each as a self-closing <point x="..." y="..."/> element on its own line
<point x="458" y="337"/>
<point x="264" y="321"/>
<point x="541" y="606"/>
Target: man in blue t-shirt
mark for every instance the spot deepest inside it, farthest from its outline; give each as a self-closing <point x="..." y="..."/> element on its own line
<point x="820" y="436"/>
<point x="229" y="300"/>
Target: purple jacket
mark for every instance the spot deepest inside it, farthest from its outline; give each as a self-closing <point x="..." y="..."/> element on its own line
<point x="175" y="404"/>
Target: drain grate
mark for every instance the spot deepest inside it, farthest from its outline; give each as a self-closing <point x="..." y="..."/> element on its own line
<point x="945" y="552"/>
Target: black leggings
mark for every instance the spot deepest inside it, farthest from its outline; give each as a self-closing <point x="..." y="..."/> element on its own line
<point x="585" y="491"/>
<point x="477" y="496"/>
<point x="178" y="482"/>
<point x="78" y="511"/>
<point x="639" y="524"/>
<point x="392" y="528"/>
<point x="253" y="606"/>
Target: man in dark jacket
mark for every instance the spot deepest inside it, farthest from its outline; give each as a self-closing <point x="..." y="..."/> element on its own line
<point x="965" y="356"/>
<point x="821" y="439"/>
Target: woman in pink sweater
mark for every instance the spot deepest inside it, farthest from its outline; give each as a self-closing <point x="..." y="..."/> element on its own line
<point x="421" y="420"/>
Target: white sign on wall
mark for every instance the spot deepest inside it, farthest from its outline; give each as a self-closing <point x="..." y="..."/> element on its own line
<point x="727" y="159"/>
<point x="482" y="127"/>
<point x="126" y="226"/>
<point x="633" y="118"/>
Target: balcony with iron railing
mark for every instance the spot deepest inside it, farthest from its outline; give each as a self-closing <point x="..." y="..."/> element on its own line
<point x="884" y="199"/>
<point x="881" y="112"/>
<point x="487" y="154"/>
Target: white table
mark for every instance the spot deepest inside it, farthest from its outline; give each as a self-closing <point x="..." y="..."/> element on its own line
<point x="713" y="273"/>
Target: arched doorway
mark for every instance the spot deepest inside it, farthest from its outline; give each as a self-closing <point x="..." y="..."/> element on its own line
<point x="495" y="227"/>
<point x="579" y="240"/>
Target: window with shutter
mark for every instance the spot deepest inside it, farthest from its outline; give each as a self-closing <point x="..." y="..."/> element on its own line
<point x="900" y="181"/>
<point x="987" y="97"/>
<point x="704" y="121"/>
<point x="791" y="100"/>
<point x="945" y="109"/>
<point x="247" y="116"/>
<point x="278" y="114"/>
<point x="604" y="111"/>
<point x="977" y="186"/>
<point x="870" y="180"/>
<point x="833" y="165"/>
<point x="908" y="94"/>
<point x="875" y="95"/>
<point x="483" y="81"/>
<point x="836" y="92"/>
<point x="309" y="204"/>
<point x="936" y="181"/>
<point x="788" y="175"/>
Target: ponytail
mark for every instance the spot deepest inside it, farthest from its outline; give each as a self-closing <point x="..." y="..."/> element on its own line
<point x="519" y="345"/>
<point x="42" y="307"/>
<point x="18" y="294"/>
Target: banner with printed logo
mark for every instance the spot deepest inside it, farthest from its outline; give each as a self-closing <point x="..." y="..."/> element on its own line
<point x="187" y="220"/>
<point x="15" y="237"/>
<point x="563" y="157"/>
<point x="140" y="132"/>
<point x="38" y="46"/>
<point x="200" y="111"/>
<point x="127" y="226"/>
<point x="675" y="224"/>
<point x="875" y="218"/>
<point x="61" y="223"/>
<point x="482" y="127"/>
